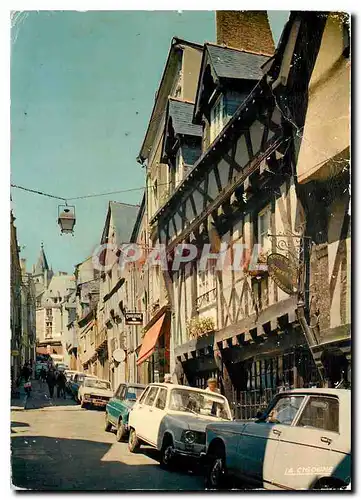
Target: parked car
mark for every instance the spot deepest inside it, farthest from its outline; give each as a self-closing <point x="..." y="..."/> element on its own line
<point x="69" y="374"/>
<point x="118" y="407"/>
<point x="94" y="392"/>
<point x="76" y="382"/>
<point x="302" y="441"/>
<point x="61" y="367"/>
<point x="173" y="419"/>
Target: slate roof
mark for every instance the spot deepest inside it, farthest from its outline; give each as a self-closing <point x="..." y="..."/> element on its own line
<point x="123" y="218"/>
<point x="231" y="63"/>
<point x="182" y="115"/>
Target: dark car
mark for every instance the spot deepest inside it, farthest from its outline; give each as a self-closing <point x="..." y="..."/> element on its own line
<point x="117" y="410"/>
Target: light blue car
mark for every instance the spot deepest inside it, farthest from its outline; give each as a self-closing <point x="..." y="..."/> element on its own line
<point x="301" y="442"/>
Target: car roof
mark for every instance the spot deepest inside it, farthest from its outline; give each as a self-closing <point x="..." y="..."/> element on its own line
<point x="319" y="390"/>
<point x="100" y="379"/>
<point x="140" y="386"/>
<point x="187" y="387"/>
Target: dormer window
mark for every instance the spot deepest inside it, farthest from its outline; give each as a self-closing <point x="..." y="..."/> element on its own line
<point x="217" y="117"/>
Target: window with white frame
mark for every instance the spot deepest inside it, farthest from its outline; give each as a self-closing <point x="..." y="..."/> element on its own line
<point x="264" y="229"/>
<point x="217" y="117"/>
<point x="206" y="284"/>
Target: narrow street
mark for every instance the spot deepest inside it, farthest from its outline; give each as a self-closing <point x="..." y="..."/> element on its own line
<point x="60" y="446"/>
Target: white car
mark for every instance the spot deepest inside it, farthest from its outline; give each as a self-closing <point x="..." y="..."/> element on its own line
<point x="303" y="441"/>
<point x="173" y="419"/>
<point x="94" y="392"/>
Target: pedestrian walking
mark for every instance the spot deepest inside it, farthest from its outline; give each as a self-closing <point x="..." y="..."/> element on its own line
<point x="51" y="381"/>
<point x="27" y="389"/>
<point x="60" y="383"/>
<point x="26" y="372"/>
<point x="43" y="374"/>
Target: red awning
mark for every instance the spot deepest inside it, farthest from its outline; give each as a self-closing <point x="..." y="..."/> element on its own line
<point x="150" y="340"/>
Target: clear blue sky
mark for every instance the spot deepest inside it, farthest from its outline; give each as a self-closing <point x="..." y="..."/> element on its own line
<point x="82" y="90"/>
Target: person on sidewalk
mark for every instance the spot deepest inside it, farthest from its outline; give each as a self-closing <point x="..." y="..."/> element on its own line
<point x="26" y="372"/>
<point x="43" y="374"/>
<point x="60" y="383"/>
<point x="51" y="381"/>
<point x="212" y="385"/>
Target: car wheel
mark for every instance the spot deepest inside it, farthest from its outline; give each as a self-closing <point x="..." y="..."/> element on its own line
<point x="82" y="403"/>
<point x="107" y="424"/>
<point x="216" y="473"/>
<point x="133" y="442"/>
<point x="329" y="484"/>
<point x="167" y="454"/>
<point x="121" y="431"/>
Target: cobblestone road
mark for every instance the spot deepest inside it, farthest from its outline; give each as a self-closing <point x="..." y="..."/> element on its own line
<point x="59" y="446"/>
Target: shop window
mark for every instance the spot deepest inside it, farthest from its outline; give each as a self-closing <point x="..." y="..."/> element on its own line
<point x="320" y="413"/>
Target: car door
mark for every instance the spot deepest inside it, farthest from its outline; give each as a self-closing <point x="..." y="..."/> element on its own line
<point x="137" y="413"/>
<point x="313" y="447"/>
<point x="259" y="441"/>
<point x="113" y="407"/>
<point x="156" y="414"/>
<point x="145" y="420"/>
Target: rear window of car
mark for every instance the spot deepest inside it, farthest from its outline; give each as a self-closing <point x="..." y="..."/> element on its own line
<point x="133" y="393"/>
<point x="320" y="412"/>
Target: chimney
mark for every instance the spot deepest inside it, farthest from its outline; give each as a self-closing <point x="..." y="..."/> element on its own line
<point x="247" y="30"/>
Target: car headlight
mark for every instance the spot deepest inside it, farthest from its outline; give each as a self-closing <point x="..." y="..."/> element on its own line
<point x="191" y="437"/>
<point x="87" y="395"/>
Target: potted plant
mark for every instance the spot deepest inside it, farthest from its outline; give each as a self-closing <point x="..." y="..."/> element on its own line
<point x="199" y="326"/>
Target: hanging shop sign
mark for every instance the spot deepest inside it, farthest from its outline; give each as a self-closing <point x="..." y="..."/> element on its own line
<point x="283" y="272"/>
<point x="133" y="318"/>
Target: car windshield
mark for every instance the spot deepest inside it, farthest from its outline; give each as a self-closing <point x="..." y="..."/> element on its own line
<point x="96" y="384"/>
<point x="199" y="403"/>
<point x="133" y="393"/>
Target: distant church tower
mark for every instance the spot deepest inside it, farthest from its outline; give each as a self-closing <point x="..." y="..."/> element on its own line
<point x="42" y="274"/>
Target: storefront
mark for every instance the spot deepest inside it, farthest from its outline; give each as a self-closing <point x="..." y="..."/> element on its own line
<point x="154" y="353"/>
<point x="196" y="362"/>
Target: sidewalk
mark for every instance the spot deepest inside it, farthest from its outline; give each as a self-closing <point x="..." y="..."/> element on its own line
<point x="39" y="398"/>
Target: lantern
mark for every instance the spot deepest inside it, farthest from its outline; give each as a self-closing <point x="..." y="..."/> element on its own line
<point x="66" y="218"/>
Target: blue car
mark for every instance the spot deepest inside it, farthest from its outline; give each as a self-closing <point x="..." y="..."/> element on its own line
<point x="117" y="410"/>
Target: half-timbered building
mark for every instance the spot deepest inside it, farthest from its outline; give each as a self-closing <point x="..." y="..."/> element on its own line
<point x="176" y="91"/>
<point x="232" y="320"/>
<point x="310" y="78"/>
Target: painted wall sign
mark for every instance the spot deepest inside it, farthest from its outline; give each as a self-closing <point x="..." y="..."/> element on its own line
<point x="283" y="273"/>
<point x="133" y="318"/>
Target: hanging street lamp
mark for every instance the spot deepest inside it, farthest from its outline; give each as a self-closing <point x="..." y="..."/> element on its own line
<point x="66" y="218"/>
